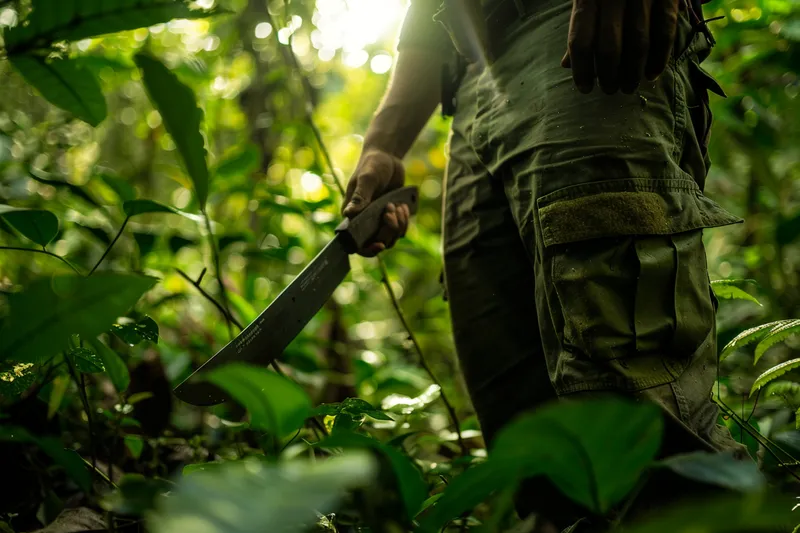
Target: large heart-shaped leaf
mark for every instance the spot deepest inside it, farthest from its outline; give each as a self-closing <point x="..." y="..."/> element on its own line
<point x="182" y="119"/>
<point x="44" y="316"/>
<point x="251" y="496"/>
<point x="275" y="403"/>
<point x="72" y="20"/>
<point x="568" y="442"/>
<point x="64" y="84"/>
<point x="38" y="225"/>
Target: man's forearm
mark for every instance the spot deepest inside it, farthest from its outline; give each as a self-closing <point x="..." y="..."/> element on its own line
<point x="413" y="95"/>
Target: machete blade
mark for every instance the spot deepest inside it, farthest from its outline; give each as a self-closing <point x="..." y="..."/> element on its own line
<point x="271" y="332"/>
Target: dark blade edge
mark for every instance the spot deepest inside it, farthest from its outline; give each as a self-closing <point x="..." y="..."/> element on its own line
<point x="285" y="317"/>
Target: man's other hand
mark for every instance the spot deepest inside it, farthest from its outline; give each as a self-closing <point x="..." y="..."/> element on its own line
<point x="619" y="42"/>
<point x="377" y="173"/>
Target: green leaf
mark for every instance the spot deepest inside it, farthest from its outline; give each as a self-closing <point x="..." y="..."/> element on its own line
<point x="73" y="20"/>
<point x="568" y="442"/>
<point x="64" y="84"/>
<point x="776" y="335"/>
<point x="16" y="378"/>
<point x="176" y="243"/>
<point x="725" y="289"/>
<point x="115" y="366"/>
<point x="240" y="163"/>
<point x="67" y="459"/>
<point x="135" y="445"/>
<point x="720" y="469"/>
<point x="774" y="373"/>
<point x="275" y="403"/>
<point x="752" y="512"/>
<point x="132" y="334"/>
<point x="749" y="336"/>
<point x="357" y="406"/>
<point x="397" y="403"/>
<point x="85" y="360"/>
<point x="121" y="187"/>
<point x="409" y="479"/>
<point x="57" y="392"/>
<point x="44" y="316"/>
<point x="42" y="177"/>
<point x="182" y="119"/>
<point x="141" y="207"/>
<point x="38" y="225"/>
<point x="251" y="496"/>
<point x="135" y="494"/>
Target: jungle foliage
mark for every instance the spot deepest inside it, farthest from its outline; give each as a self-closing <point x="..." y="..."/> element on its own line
<point x="167" y="167"/>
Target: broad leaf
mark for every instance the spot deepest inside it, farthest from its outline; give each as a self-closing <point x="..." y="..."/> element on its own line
<point x="251" y="496"/>
<point x="44" y="316"/>
<point x="409" y="479"/>
<point x="135" y="445"/>
<point x="720" y="469"/>
<point x="397" y="403"/>
<point x="73" y="20"/>
<point x="776" y="335"/>
<point x="141" y="207"/>
<point x="38" y="225"/>
<point x="568" y="442"/>
<point x="67" y="459"/>
<point x="64" y="84"/>
<point x="16" y="378"/>
<point x="132" y="334"/>
<point x="115" y="366"/>
<point x="182" y="119"/>
<point x="275" y="403"/>
<point x="774" y="373"/>
<point x="749" y="336"/>
<point x="728" y="290"/>
<point x="85" y="360"/>
<point x="783" y="388"/>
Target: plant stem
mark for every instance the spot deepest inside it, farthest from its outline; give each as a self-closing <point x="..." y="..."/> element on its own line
<point x="225" y="313"/>
<point x="422" y="360"/>
<point x="81" y="383"/>
<point x="110" y="246"/>
<point x="218" y="272"/>
<point x="45" y="252"/>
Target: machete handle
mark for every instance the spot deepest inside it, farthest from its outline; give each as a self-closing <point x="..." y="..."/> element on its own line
<point x="357" y="231"/>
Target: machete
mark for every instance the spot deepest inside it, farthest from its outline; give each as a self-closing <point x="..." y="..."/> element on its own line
<point x="265" y="339"/>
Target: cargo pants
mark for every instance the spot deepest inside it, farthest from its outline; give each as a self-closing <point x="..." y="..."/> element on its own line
<point x="572" y="234"/>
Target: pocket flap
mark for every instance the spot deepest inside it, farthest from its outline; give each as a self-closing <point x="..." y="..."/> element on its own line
<point x="627" y="207"/>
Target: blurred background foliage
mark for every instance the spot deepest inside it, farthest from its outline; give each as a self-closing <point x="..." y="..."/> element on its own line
<point x="273" y="206"/>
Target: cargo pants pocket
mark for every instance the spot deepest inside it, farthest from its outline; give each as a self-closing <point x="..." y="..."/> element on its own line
<point x="629" y="291"/>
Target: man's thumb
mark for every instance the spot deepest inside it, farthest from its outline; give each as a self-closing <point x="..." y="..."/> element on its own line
<point x="362" y="196"/>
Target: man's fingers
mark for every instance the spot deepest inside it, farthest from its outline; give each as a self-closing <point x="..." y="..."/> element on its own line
<point x="609" y="44"/>
<point x="635" y="44"/>
<point x="582" y="24"/>
<point x="663" y="25"/>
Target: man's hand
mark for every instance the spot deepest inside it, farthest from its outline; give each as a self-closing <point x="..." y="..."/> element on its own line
<point x="619" y="42"/>
<point x="377" y="173"/>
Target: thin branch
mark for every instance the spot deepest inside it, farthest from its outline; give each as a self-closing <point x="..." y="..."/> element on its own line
<point x="422" y="360"/>
<point x="45" y="252"/>
<point x="294" y="64"/>
<point x="110" y="246"/>
<point x="218" y="271"/>
<point x="211" y="299"/>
